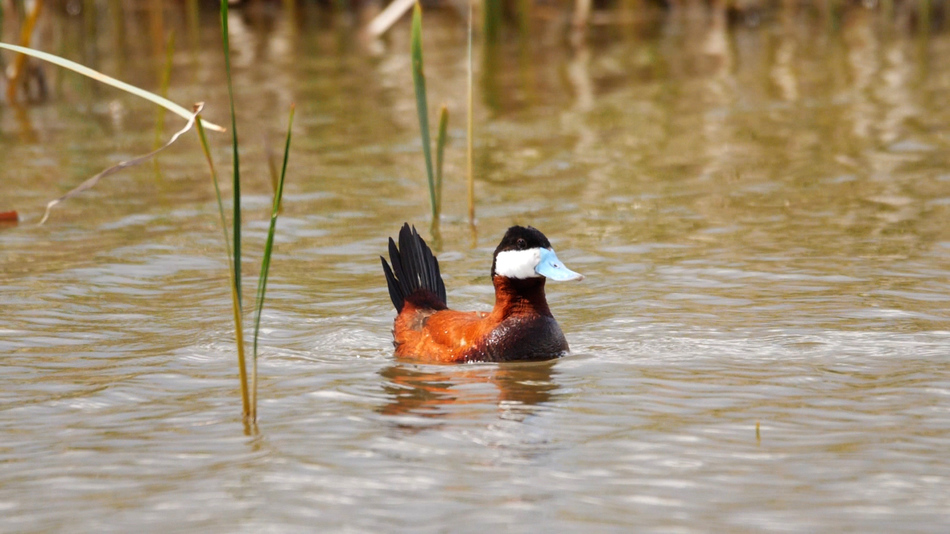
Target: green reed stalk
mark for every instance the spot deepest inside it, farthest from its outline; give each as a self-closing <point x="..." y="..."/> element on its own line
<point x="235" y="298"/>
<point x="422" y="106"/>
<point x="470" y="151"/>
<point x="250" y="409"/>
<point x="236" y="219"/>
<point x="265" y="263"/>
<point x="439" y="153"/>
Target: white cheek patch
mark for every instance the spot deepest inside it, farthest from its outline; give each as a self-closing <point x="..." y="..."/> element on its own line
<point x="518" y="263"/>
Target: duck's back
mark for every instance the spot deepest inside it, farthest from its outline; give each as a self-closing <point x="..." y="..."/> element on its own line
<point x="452" y="336"/>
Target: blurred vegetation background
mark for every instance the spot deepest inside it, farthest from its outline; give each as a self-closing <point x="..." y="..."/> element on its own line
<point x="33" y="22"/>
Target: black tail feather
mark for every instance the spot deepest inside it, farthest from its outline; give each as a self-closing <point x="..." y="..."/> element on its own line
<point x="402" y="283"/>
<point x="414" y="275"/>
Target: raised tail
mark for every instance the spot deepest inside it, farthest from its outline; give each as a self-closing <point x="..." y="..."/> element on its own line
<point x="414" y="276"/>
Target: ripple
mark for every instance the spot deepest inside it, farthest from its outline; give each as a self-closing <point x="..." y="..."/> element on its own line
<point x="761" y="342"/>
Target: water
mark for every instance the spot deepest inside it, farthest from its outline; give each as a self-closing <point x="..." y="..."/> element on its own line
<point x="760" y="343"/>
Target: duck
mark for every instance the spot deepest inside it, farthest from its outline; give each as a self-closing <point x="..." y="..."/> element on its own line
<point x="520" y="326"/>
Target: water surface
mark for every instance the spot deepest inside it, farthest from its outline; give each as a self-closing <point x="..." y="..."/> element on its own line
<point x="760" y="343"/>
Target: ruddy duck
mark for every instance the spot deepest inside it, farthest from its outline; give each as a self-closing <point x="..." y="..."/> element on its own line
<point x="519" y="327"/>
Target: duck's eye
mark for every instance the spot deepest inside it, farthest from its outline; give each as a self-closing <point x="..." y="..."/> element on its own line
<point x="521" y="244"/>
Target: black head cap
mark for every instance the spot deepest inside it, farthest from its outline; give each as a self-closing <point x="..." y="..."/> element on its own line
<point x="520" y="238"/>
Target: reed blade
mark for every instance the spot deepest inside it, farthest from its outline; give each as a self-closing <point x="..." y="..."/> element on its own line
<point x="91" y="182"/>
<point x="108" y="80"/>
<point x="236" y="160"/>
<point x="439" y="153"/>
<point x="235" y="302"/>
<point x="271" y="166"/>
<point x="419" y="83"/>
<point x="265" y="263"/>
<point x="250" y="409"/>
<point x="470" y="137"/>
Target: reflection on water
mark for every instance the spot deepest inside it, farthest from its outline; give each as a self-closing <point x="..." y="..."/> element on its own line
<point x="761" y="210"/>
<point x="432" y="391"/>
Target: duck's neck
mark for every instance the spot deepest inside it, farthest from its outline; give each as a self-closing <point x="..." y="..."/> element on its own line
<point x="519" y="297"/>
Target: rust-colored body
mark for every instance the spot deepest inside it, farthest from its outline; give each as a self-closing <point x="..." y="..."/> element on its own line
<point x="519" y="327"/>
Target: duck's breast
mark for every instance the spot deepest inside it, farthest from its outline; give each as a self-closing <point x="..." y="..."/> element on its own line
<point x="523" y="338"/>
